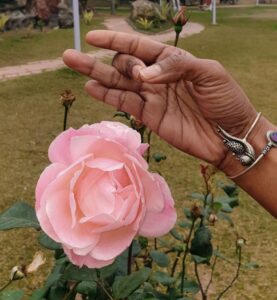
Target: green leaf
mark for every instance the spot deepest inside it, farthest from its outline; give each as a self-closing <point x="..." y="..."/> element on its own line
<point x="184" y="224"/>
<point x="201" y="243"/>
<point x="160" y="258"/>
<point x="87" y="288"/>
<point x="158" y="157"/>
<point x="57" y="293"/>
<point x="79" y="274"/>
<point x="191" y="286"/>
<point x="122" y="115"/>
<point x="230" y="189"/>
<point x="187" y="213"/>
<point x="11" y="295"/>
<point x="19" y="215"/>
<point x="163" y="278"/>
<point x="108" y="271"/>
<point x="143" y="241"/>
<point x="251" y="265"/>
<point x="48" y="243"/>
<point x="199" y="259"/>
<point x="39" y="294"/>
<point x="176" y="235"/>
<point x="225" y="217"/>
<point x="126" y="285"/>
<point x="197" y="196"/>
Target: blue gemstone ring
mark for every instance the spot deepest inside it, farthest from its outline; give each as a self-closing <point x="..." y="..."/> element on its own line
<point x="272" y="138"/>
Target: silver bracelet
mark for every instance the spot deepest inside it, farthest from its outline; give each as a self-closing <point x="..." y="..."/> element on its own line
<point x="241" y="149"/>
<point x="272" y="143"/>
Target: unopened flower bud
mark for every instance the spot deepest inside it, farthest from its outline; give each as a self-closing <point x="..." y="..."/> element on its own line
<point x="196" y="211"/>
<point x="67" y="98"/>
<point x="17" y="273"/>
<point x="213" y="218"/>
<point x="136" y="124"/>
<point x="241" y="242"/>
<point x="180" y="19"/>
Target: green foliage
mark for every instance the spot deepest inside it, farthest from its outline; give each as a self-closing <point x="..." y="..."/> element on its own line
<point x="201" y="244"/>
<point x="3" y="20"/>
<point x="164" y="11"/>
<point x="125" y="285"/>
<point x="160" y="258"/>
<point x="11" y="295"/>
<point x="158" y="157"/>
<point x="163" y="278"/>
<point x="88" y="17"/>
<point x="145" y="23"/>
<point x="47" y="242"/>
<point x="19" y="215"/>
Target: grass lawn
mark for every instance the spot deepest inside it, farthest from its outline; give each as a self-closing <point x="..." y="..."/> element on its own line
<point x="244" y="42"/>
<point x="31" y="45"/>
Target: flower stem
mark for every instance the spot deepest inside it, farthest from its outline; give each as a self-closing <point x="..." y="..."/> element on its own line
<point x="66" y="109"/>
<point x="149" y="148"/>
<point x="176" y="39"/>
<point x="129" y="267"/>
<point x="235" y="277"/>
<point x="204" y="296"/>
<point x="185" y="256"/>
<point x="5" y="286"/>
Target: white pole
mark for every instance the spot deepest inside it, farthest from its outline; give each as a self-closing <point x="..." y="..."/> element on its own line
<point x="76" y="17"/>
<point x="257" y="2"/>
<point x="214" y="11"/>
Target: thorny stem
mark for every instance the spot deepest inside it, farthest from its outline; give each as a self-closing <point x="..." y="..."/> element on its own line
<point x="149" y="148"/>
<point x="212" y="274"/>
<point x="205" y="199"/>
<point x="155" y="244"/>
<point x="129" y="267"/>
<point x="204" y="296"/>
<point x="66" y="109"/>
<point x="235" y="277"/>
<point x="185" y="256"/>
<point x="176" y="39"/>
<point x="175" y="263"/>
<point x="71" y="291"/>
<point x="5" y="286"/>
<point x="104" y="290"/>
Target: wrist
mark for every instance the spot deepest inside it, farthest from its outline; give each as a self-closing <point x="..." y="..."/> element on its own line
<point x="257" y="138"/>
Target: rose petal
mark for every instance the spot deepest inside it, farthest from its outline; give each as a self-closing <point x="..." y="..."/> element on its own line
<point x="113" y="243"/>
<point x="156" y="224"/>
<point x="87" y="260"/>
<point x="47" y="176"/>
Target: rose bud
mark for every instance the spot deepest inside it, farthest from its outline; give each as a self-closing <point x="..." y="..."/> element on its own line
<point x="17" y="273"/>
<point x="196" y="211"/>
<point x="67" y="98"/>
<point x="241" y="242"/>
<point x="180" y="19"/>
<point x="212" y="218"/>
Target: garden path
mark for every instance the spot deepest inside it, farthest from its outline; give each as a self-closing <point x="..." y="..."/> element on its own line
<point x="115" y="24"/>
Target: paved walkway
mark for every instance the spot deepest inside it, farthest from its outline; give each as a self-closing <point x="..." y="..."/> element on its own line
<point x="116" y="24"/>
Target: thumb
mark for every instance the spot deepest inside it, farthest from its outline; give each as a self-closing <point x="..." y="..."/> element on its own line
<point x="174" y="67"/>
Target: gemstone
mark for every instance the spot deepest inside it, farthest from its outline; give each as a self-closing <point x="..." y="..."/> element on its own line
<point x="273" y="136"/>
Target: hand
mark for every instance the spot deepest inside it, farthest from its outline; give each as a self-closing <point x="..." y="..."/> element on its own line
<point x="178" y="96"/>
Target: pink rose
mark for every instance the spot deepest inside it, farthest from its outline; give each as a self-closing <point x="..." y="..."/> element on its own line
<point x="97" y="194"/>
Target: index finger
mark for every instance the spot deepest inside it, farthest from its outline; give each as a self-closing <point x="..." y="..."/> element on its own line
<point x="141" y="47"/>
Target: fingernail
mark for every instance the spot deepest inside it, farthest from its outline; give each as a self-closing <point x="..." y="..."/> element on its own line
<point x="136" y="71"/>
<point x="151" y="72"/>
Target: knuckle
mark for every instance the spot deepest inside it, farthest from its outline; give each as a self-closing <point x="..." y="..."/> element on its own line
<point x="115" y="78"/>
